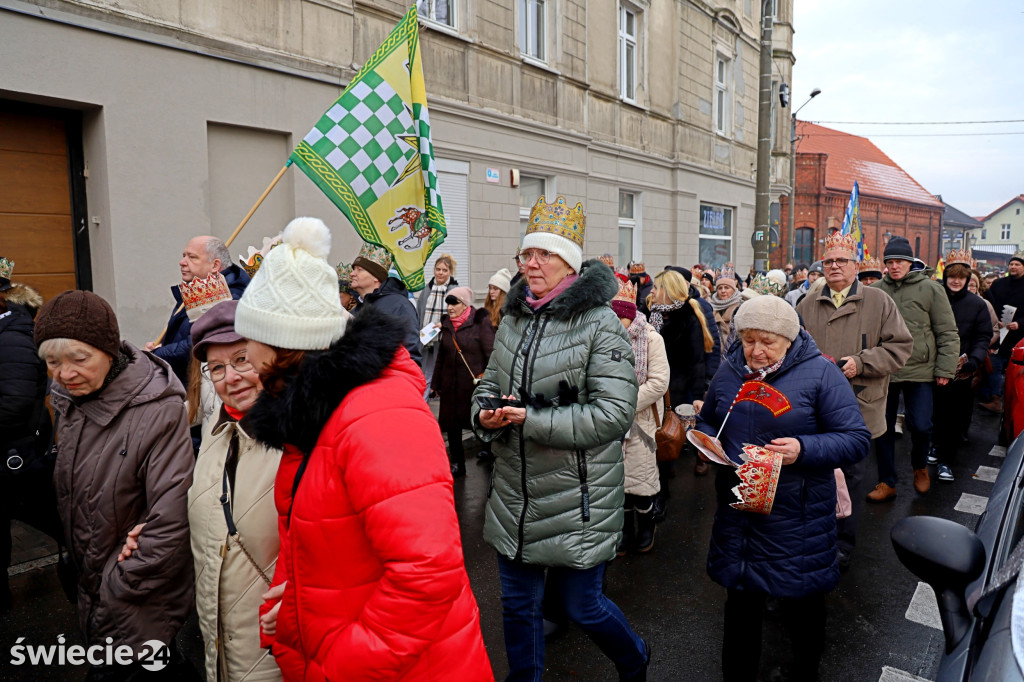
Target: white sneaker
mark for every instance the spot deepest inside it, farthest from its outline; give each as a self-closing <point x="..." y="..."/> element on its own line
<point x="945" y="473"/>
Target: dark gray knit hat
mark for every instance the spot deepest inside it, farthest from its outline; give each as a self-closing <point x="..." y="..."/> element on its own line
<point x="898" y="248"/>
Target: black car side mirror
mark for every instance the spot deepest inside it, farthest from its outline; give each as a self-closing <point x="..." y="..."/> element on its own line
<point x="948" y="557"/>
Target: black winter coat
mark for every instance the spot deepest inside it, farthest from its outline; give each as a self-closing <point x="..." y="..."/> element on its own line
<point x="176" y="343"/>
<point x="22" y="384"/>
<point x="973" y="324"/>
<point x="392" y="298"/>
<point x="1008" y="291"/>
<point x="712" y="358"/>
<point x="792" y="551"/>
<point x="451" y="380"/>
<point x="684" y="345"/>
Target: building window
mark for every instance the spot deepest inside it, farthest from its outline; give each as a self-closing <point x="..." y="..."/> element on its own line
<point x="531" y="188"/>
<point x="917" y="247"/>
<point x="715" y="244"/>
<point x="721" y="95"/>
<point x="804" y="251"/>
<point x="629" y="24"/>
<point x="1004" y="231"/>
<point x="984" y="233"/>
<point x="532" y="29"/>
<point x="629" y="229"/>
<point x="438" y="11"/>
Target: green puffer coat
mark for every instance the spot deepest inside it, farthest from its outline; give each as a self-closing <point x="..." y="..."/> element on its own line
<point x="926" y="310"/>
<point x="556" y="492"/>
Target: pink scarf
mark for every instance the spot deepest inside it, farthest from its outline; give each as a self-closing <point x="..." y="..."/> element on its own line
<point x="462" y="317"/>
<point x="536" y="304"/>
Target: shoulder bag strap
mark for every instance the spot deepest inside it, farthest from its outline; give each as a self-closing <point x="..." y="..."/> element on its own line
<point x="225" y="501"/>
<point x="459" y="351"/>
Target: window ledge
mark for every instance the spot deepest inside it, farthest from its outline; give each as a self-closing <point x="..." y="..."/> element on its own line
<point x="634" y="104"/>
<point x="445" y="29"/>
<point x="534" y="62"/>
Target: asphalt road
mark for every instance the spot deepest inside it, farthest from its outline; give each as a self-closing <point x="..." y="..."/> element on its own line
<point x="665" y="594"/>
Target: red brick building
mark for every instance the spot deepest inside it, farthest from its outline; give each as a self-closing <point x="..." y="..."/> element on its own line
<point x="891" y="202"/>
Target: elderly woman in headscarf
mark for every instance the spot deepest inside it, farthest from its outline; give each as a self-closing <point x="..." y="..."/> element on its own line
<point x="467" y="339"/>
<point x="124" y="459"/>
<point x="557" y="495"/>
<point x="790" y="553"/>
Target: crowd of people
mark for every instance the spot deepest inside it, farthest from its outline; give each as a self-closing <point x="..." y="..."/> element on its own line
<point x="277" y="460"/>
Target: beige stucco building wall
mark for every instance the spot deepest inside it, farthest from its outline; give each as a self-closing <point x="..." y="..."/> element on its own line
<point x="191" y="106"/>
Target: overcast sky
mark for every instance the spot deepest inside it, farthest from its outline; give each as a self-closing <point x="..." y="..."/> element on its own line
<point x="916" y="60"/>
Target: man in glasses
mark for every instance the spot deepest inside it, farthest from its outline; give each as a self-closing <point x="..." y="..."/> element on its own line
<point x="861" y="329"/>
<point x="926" y="310"/>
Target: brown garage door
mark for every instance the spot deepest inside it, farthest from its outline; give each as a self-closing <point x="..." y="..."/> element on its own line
<point x="36" y="224"/>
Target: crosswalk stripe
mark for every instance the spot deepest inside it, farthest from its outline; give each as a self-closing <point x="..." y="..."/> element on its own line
<point x="988" y="474"/>
<point x="997" y="451"/>
<point x="924" y="609"/>
<point x="972" y="504"/>
<point x="897" y="675"/>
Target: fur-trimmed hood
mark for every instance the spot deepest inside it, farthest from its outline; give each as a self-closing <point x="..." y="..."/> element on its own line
<point x="595" y="287"/>
<point x="324" y="378"/>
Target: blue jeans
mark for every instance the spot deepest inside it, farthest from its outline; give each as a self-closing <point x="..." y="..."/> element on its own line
<point x="917" y="399"/>
<point x="522" y="593"/>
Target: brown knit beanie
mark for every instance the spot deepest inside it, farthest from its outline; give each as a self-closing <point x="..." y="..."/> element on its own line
<point x="82" y="316"/>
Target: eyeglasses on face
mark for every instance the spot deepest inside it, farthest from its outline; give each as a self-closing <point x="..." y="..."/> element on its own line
<point x="524" y="257"/>
<point x="218" y="370"/>
<point x="830" y="262"/>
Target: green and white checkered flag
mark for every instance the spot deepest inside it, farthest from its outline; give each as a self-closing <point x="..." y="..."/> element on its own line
<point x="372" y="155"/>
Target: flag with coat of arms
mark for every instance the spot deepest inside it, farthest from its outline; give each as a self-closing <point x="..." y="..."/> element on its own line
<point x="851" y="221"/>
<point x="372" y="155"/>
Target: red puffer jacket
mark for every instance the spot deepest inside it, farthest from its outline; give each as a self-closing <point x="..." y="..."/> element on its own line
<point x="370" y="548"/>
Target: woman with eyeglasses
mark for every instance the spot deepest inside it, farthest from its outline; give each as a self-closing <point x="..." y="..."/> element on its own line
<point x="467" y="338"/>
<point x="555" y="509"/>
<point x="231" y="513"/>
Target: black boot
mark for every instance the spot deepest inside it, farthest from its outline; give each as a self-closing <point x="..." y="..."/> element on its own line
<point x="645" y="527"/>
<point x="628" y="532"/>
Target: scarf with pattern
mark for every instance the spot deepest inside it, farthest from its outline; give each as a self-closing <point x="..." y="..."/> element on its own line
<point x="638" y="339"/>
<point x="659" y="309"/>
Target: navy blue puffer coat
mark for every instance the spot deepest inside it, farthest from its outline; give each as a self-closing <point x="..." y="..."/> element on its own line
<point x="792" y="551"/>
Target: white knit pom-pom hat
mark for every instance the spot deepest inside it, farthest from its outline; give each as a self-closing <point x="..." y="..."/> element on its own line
<point x="292" y="301"/>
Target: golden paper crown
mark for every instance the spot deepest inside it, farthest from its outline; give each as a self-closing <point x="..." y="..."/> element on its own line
<point x="200" y="295"/>
<point x="870" y="265"/>
<point x="766" y="286"/>
<point x="637" y="268"/>
<point x="759" y="479"/>
<point x="558" y="218"/>
<point x="254" y="260"/>
<point x="378" y="254"/>
<point x="344" y="273"/>
<point x="962" y="256"/>
<point x="608" y="260"/>
<point x="627" y="292"/>
<point x="728" y="272"/>
<point x="841" y="242"/>
<point x="6" y="268"/>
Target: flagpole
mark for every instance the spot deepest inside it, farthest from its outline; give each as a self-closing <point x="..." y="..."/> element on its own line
<point x="270" y="187"/>
<point x="227" y="242"/>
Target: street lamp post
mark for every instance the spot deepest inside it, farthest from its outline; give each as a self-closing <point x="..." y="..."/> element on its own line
<point x="790" y="231"/>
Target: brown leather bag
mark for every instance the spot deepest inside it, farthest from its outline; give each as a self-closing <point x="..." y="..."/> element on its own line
<point x="671" y="434"/>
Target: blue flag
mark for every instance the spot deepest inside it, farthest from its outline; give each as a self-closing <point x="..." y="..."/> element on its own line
<point x="851" y="221"/>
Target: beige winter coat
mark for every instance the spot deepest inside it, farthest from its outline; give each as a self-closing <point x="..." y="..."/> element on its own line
<point x="228" y="588"/>
<point x="868" y="328"/>
<point x="639" y="457"/>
